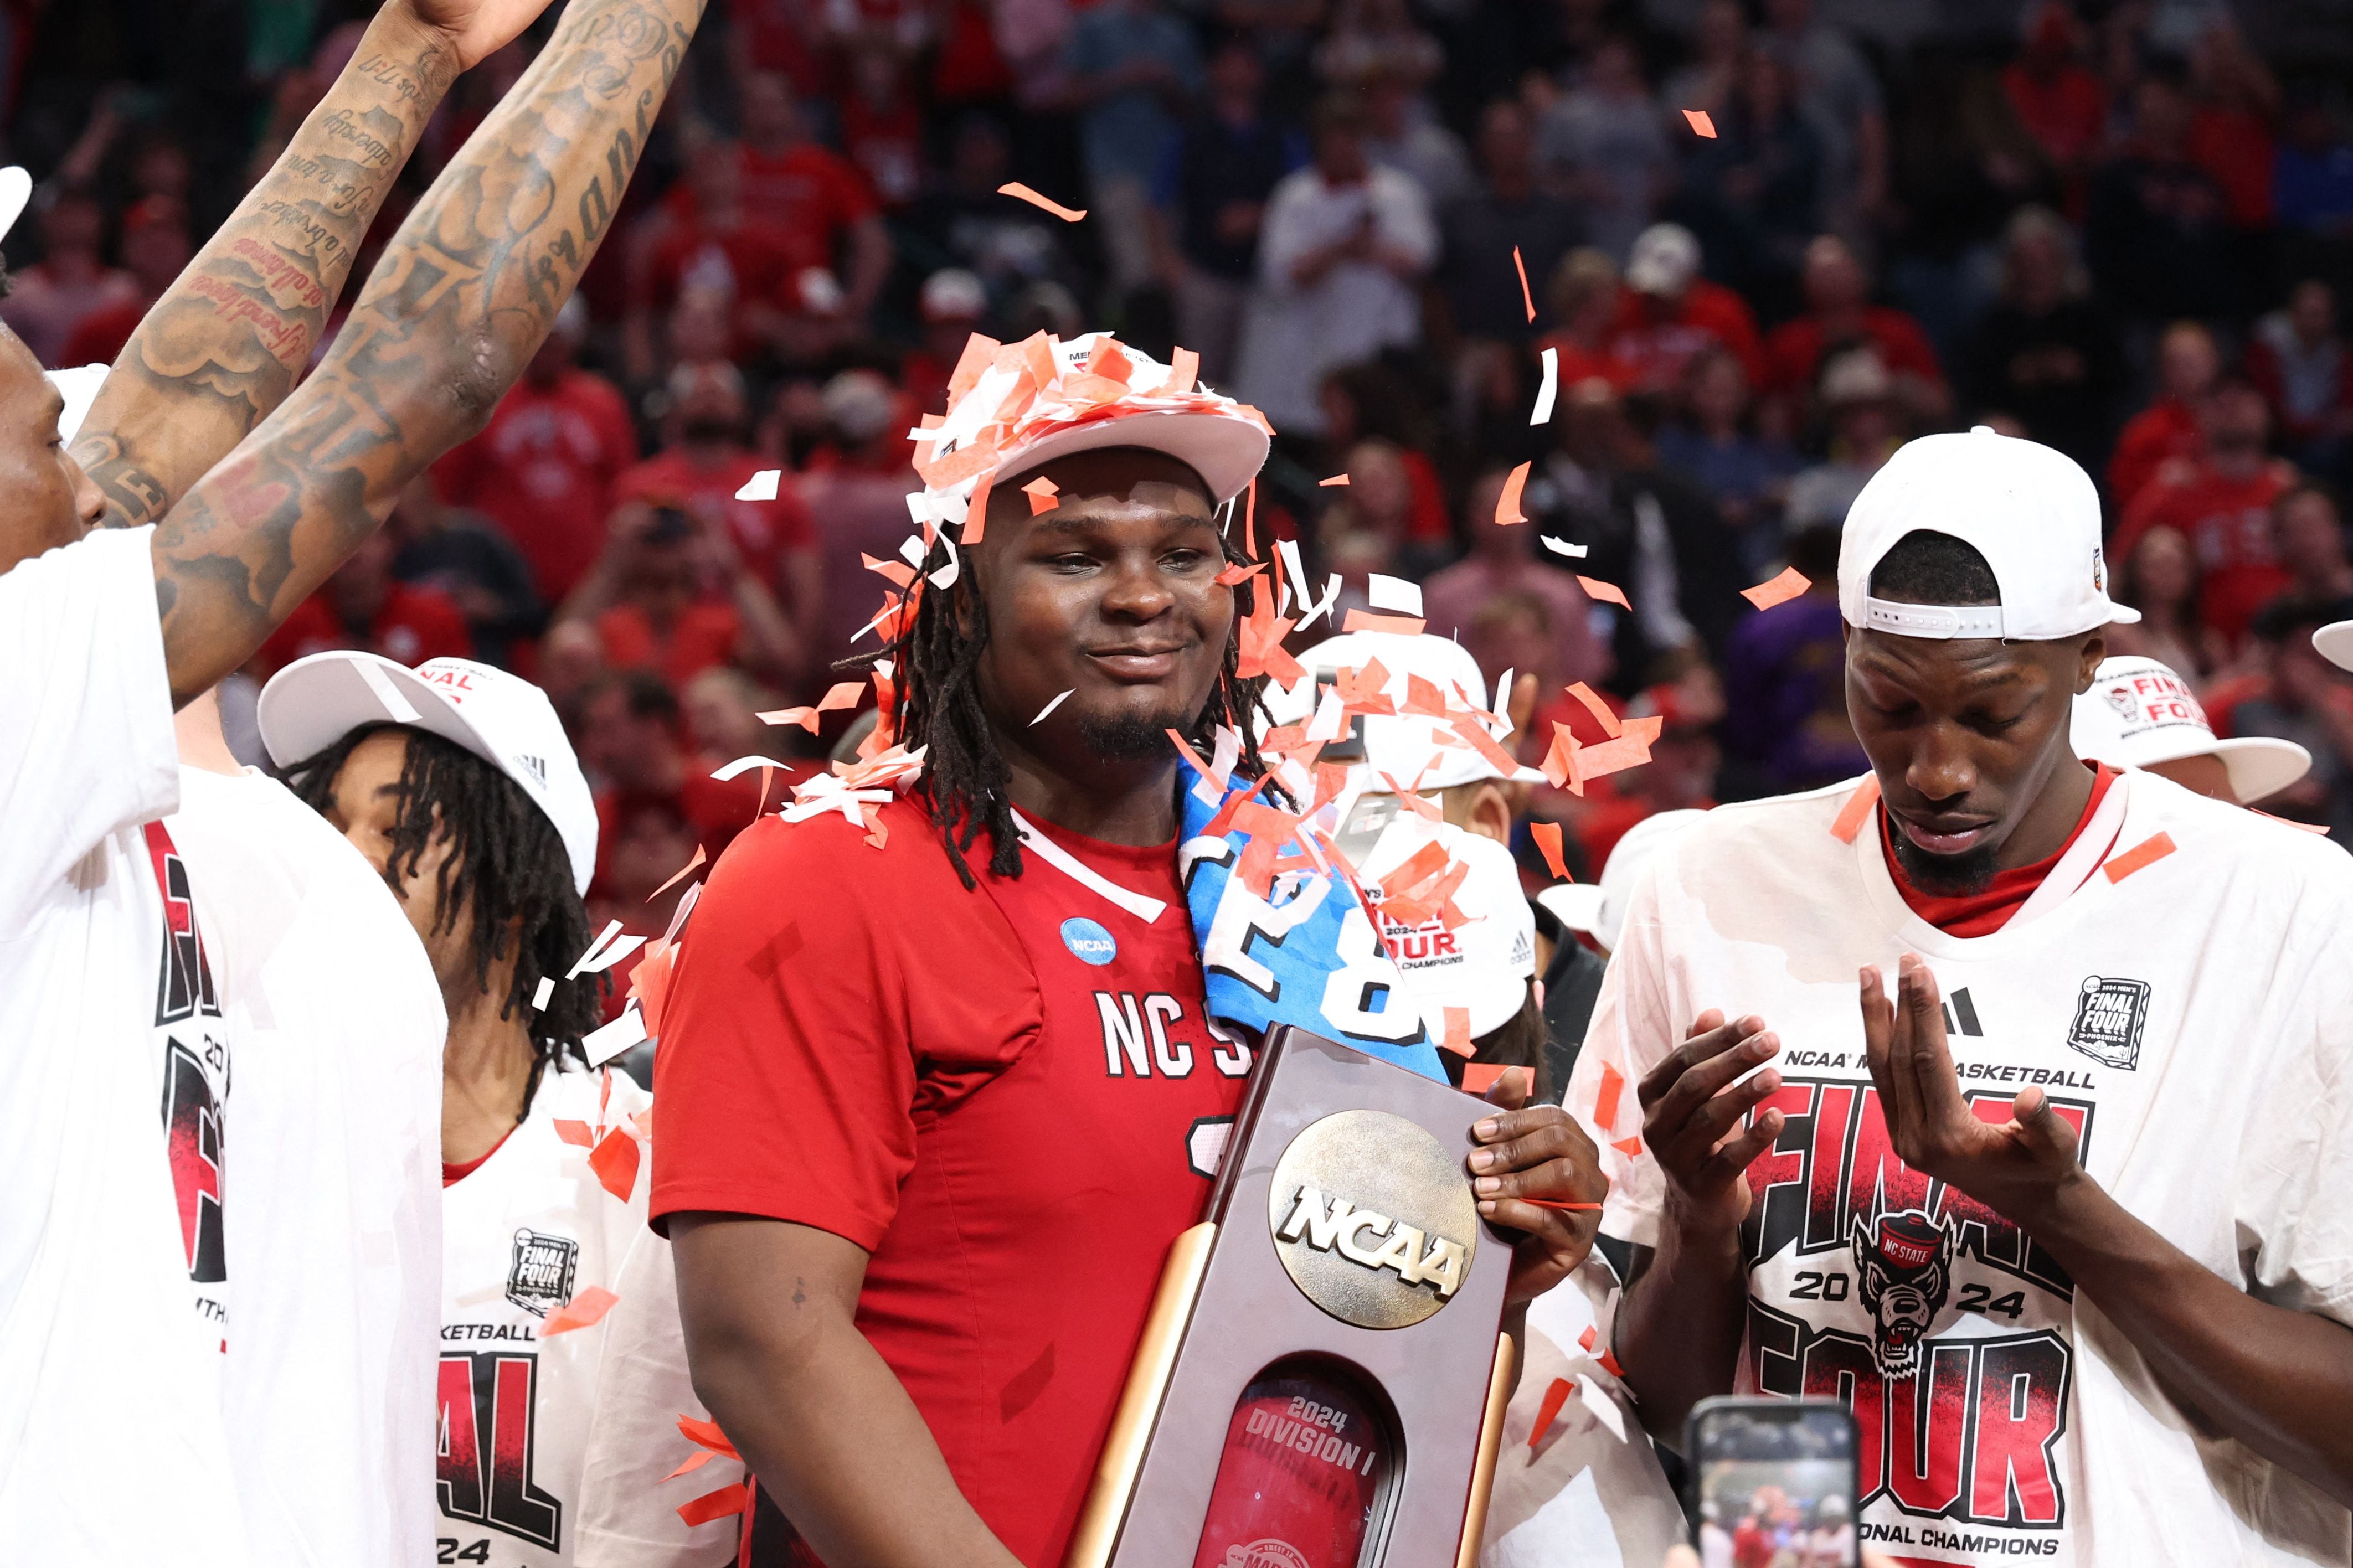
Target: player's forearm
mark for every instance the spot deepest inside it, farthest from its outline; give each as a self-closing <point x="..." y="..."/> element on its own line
<point x="227" y="341"/>
<point x="464" y="296"/>
<point x="819" y="1416"/>
<point x="2277" y="1379"/>
<point x="1677" y="1336"/>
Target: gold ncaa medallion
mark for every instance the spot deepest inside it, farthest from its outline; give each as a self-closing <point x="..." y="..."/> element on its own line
<point x="1373" y="1219"/>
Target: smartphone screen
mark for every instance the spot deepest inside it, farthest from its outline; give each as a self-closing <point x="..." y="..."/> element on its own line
<point x="1773" y="1483"/>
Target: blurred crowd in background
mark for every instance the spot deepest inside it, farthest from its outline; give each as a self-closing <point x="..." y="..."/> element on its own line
<point x="2123" y="228"/>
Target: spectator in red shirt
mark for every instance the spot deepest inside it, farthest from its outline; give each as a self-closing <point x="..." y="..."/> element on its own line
<point x="155" y="247"/>
<point x="2231" y="132"/>
<point x="813" y="196"/>
<point x="2308" y="529"/>
<point x="716" y="242"/>
<point x="2166" y="430"/>
<point x="1587" y="299"/>
<point x="626" y="729"/>
<point x="2303" y="367"/>
<point x="2059" y="99"/>
<point x="71" y="281"/>
<point x="1668" y="312"/>
<point x="543" y="469"/>
<point x="1839" y="315"/>
<point x="670" y="594"/>
<point x="364" y="606"/>
<point x="2223" y="505"/>
<point x="703" y="463"/>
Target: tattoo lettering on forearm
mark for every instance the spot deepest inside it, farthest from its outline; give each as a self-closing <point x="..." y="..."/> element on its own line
<point x="463" y="297"/>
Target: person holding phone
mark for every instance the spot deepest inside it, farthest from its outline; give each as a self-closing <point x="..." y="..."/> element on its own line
<point x="2057" y="1209"/>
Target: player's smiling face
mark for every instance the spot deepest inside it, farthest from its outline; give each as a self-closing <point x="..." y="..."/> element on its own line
<point x="1965" y="735"/>
<point x="1110" y="595"/>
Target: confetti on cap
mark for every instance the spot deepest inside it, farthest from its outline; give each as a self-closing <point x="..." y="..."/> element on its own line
<point x="1608" y="591"/>
<point x="1049" y="707"/>
<point x="761" y="486"/>
<point x="1041" y="492"/>
<point x="2145" y="853"/>
<point x="1387" y="592"/>
<point x="1022" y="193"/>
<point x="1562" y="547"/>
<point x="1778" y="590"/>
<point x="1507" y="504"/>
<point x="1366" y="621"/>
<point x="1547" y="841"/>
<point x="1700" y="122"/>
<point x="1334" y="480"/>
<point x="1548" y="1411"/>
<point x="1522" y="269"/>
<point x="584" y="1311"/>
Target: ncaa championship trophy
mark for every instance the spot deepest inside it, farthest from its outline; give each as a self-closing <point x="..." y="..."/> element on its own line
<point x="1321" y="1382"/>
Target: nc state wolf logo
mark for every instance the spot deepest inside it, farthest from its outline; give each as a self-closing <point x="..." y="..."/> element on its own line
<point x="1903" y="1271"/>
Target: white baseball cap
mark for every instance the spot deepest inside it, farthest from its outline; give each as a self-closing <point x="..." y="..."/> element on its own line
<point x="503" y="719"/>
<point x="1598" y="909"/>
<point x="1664" y="259"/>
<point x="2334" y="643"/>
<point x="1482" y="965"/>
<point x="2030" y="511"/>
<point x="2138" y="712"/>
<point x="1407" y="745"/>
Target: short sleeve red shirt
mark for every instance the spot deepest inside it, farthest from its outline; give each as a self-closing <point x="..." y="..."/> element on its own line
<point x="1006" y="1095"/>
<point x="2228" y="522"/>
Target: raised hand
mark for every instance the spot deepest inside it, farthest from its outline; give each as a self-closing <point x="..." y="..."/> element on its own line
<point x="2016" y="1167"/>
<point x="1691" y="1116"/>
<point x="1536" y="1171"/>
<point x="475" y="28"/>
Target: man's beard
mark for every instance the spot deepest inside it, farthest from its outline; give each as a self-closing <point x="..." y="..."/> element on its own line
<point x="1945" y="875"/>
<point x="1132" y="737"/>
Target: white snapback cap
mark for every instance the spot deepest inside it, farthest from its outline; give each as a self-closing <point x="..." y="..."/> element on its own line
<point x="2334" y="642"/>
<point x="1405" y="745"/>
<point x="1598" y="909"/>
<point x="1482" y="965"/>
<point x="503" y="719"/>
<point x="2030" y="511"/>
<point x="2139" y="712"/>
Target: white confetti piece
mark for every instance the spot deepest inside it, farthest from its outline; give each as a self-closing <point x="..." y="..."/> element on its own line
<point x="1605" y="1409"/>
<point x="546" y="993"/>
<point x="397" y="706"/>
<point x="1557" y="548"/>
<point x="602" y="1045"/>
<point x="1393" y="594"/>
<point x="1049" y="708"/>
<point x="1550" y="390"/>
<point x="742" y="766"/>
<point x="761" y="486"/>
<point x="609" y="947"/>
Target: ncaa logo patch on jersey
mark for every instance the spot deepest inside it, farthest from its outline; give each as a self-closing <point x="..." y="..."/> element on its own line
<point x="540" y="1278"/>
<point x="2108" y="1018"/>
<point x="1089" y="943"/>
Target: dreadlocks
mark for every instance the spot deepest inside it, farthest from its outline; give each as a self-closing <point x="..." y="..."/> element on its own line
<point x="937" y="705"/>
<point x="506" y="864"/>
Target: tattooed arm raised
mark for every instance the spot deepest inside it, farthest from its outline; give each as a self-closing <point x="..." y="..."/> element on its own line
<point x="464" y="293"/>
<point x="227" y="341"/>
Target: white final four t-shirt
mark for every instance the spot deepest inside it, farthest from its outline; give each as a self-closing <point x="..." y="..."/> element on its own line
<point x="523" y="1234"/>
<point x="336" y="1024"/>
<point x="2181" y="987"/>
<point x="114" y="1187"/>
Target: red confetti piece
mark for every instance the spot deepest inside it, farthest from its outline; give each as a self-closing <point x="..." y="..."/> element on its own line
<point x="1605" y="1098"/>
<point x="1522" y="269"/>
<point x="1478" y="1077"/>
<point x="614" y="1161"/>
<point x="1334" y="480"/>
<point x="1559" y="1204"/>
<point x="1857" y="809"/>
<point x="1457" y="1032"/>
<point x="976" y="512"/>
<point x="1022" y="193"/>
<point x="572" y="1132"/>
<point x="706" y="1435"/>
<point x="1609" y="1364"/>
<point x="1778" y="590"/>
<point x="1549" y="1410"/>
<point x="1599" y="706"/>
<point x="1041" y="492"/>
<point x="694" y="1461"/>
<point x="1586" y="1341"/>
<point x="1547" y="838"/>
<point x="1630" y="1147"/>
<point x="1369" y="621"/>
<point x="2145" y="853"/>
<point x="1235" y="575"/>
<point x="681" y="874"/>
<point x="1609" y="592"/>
<point x="726" y="1500"/>
<point x="582" y="1311"/>
<point x="1507" y="504"/>
<point x="1700" y="122"/>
